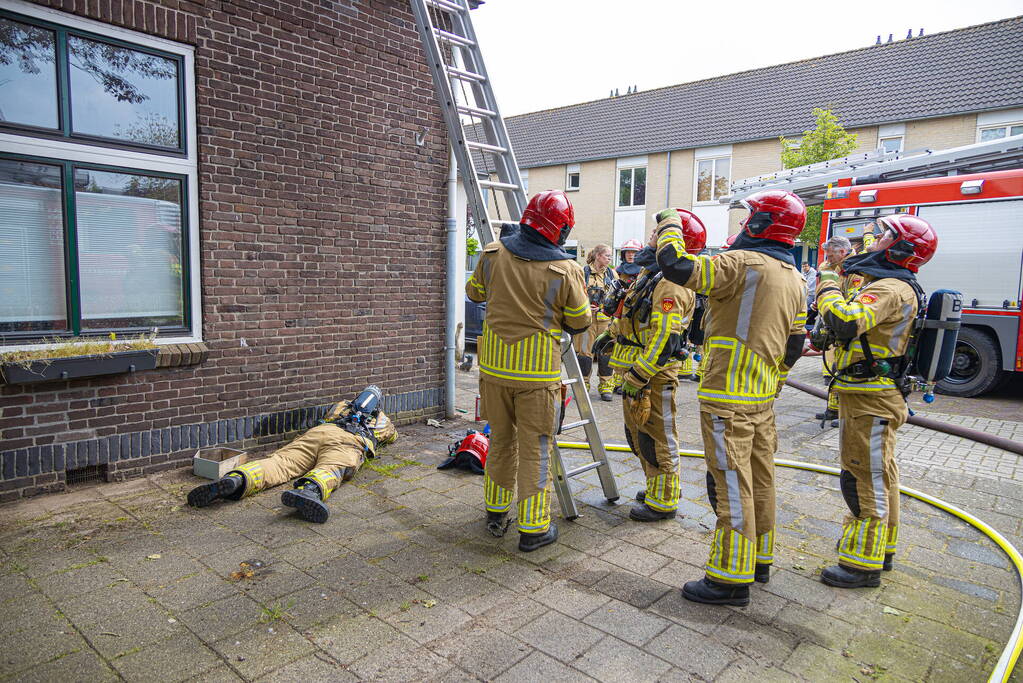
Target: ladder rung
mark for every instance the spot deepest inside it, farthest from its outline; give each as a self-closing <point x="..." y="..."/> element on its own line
<point x="475" y="111"/>
<point x="445" y="5"/>
<point x="452" y="38"/>
<point x="574" y="425"/>
<point x="485" y="147"/>
<point x="583" y="469"/>
<point x="499" y="186"/>
<point x="465" y="75"/>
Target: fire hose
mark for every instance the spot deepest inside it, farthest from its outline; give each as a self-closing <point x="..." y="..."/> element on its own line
<point x="1007" y="660"/>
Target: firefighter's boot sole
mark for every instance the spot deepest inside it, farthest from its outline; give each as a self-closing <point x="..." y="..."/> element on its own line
<point x="207" y="494"/>
<point x="308" y="505"/>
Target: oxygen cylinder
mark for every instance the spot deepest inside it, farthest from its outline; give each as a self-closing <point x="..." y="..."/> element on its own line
<point x="939" y="329"/>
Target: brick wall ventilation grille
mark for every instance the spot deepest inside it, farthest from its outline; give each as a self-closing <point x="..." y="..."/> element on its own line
<point x="92" y="474"/>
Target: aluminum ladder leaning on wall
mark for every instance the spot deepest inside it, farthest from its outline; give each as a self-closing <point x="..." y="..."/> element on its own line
<point x="466" y="97"/>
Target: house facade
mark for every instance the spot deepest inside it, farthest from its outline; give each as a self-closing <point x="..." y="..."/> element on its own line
<point x="623" y="158"/>
<point x="261" y="183"/>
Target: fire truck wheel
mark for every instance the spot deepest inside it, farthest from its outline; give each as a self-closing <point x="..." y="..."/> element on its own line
<point x="976" y="367"/>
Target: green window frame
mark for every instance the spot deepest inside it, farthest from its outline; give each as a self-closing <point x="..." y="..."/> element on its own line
<point x="72" y="263"/>
<point x="64" y="99"/>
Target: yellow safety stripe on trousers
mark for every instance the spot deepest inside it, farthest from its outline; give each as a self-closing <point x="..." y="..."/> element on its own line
<point x="846" y="311"/>
<point x="863" y="542"/>
<point x="606" y="384"/>
<point x="662" y="492"/>
<point x="687" y="366"/>
<point x="252" y="472"/>
<point x="655" y="338"/>
<point x="893" y="538"/>
<point x="327" y="480"/>
<point x="535" y="513"/>
<point x="532" y="359"/>
<point x="477" y="285"/>
<point x="496" y="497"/>
<point x="731" y="557"/>
<point x="748" y="379"/>
<point x="765" y="548"/>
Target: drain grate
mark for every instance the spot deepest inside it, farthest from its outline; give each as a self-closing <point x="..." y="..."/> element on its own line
<point x="93" y="474"/>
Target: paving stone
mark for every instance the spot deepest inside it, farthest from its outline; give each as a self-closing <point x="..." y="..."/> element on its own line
<point x="122" y="629"/>
<point x="314" y="667"/>
<point x="627" y="623"/>
<point x="81" y="665"/>
<point x="765" y="645"/>
<point x="399" y="661"/>
<point x="511" y="613"/>
<point x="692" y="615"/>
<point x="559" y="636"/>
<point x="797" y="588"/>
<point x="224" y="617"/>
<point x="187" y="592"/>
<point x="613" y="660"/>
<point x="692" y="652"/>
<point x="483" y="652"/>
<point x="883" y="650"/>
<point x="811" y="626"/>
<point x="27" y="648"/>
<point x="263" y="648"/>
<point x="812" y="662"/>
<point x="540" y="667"/>
<point x="77" y="581"/>
<point x="638" y="591"/>
<point x="571" y="599"/>
<point x="969" y="589"/>
<point x="175" y="659"/>
<point x="979" y="553"/>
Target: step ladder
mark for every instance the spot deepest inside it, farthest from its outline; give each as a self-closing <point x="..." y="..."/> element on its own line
<point x="482" y="147"/>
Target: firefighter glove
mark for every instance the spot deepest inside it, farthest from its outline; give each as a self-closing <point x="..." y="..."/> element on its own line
<point x="629" y="389"/>
<point x="638" y="407"/>
<point x="667" y="213"/>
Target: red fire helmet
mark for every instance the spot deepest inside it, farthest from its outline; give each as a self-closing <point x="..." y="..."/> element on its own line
<point x="469" y="454"/>
<point x="693" y="231"/>
<point x="548" y="213"/>
<point x="774" y="215"/>
<point x="908" y="241"/>
<point x="730" y="240"/>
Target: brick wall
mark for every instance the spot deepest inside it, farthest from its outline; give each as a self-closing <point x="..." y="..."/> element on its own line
<point x="321" y="228"/>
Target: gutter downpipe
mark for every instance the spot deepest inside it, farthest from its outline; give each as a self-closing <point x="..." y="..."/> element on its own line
<point x="667" y="182"/>
<point x="452" y="289"/>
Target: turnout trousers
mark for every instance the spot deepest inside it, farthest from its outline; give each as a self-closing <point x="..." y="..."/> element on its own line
<point x="655" y="442"/>
<point x="870" y="475"/>
<point x="522" y="420"/>
<point x="739" y="451"/>
<point x="323" y="455"/>
<point x="583" y="343"/>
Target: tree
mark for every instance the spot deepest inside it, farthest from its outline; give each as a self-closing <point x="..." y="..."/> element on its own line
<point x="828" y="140"/>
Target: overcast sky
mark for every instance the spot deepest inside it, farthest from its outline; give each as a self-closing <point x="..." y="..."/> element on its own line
<point x="550" y="53"/>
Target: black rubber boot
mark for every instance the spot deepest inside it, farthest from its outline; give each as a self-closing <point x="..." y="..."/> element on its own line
<point x="644" y="513"/>
<point x="223" y="488"/>
<point x="530" y="542"/>
<point x="889" y="562"/>
<point x="497" y="523"/>
<point x="844" y="577"/>
<point x="762" y="573"/>
<point x="711" y="593"/>
<point x="308" y="501"/>
<point x="606" y="396"/>
<point x="827" y="415"/>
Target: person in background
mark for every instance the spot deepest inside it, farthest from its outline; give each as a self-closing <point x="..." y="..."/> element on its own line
<point x="599" y="277"/>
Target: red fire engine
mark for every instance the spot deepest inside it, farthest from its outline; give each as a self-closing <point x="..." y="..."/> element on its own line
<point x="979" y="221"/>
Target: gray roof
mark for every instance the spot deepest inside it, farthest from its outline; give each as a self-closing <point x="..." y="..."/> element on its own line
<point x="966" y="70"/>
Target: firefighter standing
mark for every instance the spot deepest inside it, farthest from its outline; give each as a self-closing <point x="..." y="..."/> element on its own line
<point x="655" y="315"/>
<point x="322" y="458"/>
<point x="628" y="269"/>
<point x="599" y="277"/>
<point x="872" y="326"/>
<point x="754" y="331"/>
<point x="534" y="291"/>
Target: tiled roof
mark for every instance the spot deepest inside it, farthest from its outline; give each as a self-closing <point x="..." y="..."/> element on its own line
<point x="971" y="69"/>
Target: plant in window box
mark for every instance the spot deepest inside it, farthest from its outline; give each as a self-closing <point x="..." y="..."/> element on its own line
<point x="80" y="358"/>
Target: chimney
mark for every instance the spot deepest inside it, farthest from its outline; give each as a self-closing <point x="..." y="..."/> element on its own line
<point x="909" y="34"/>
<point x="889" y="37"/>
<point x="878" y="41"/>
<point x="616" y="92"/>
<point x="920" y="34"/>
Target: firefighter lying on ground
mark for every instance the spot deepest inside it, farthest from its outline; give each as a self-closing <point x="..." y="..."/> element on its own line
<point x="756" y="310"/>
<point x="648" y="338"/>
<point x="872" y="325"/>
<point x="534" y="290"/>
<point x="599" y="278"/>
<point x="322" y="458"/>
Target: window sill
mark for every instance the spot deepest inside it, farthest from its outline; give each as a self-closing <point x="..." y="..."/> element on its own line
<point x="180" y="355"/>
<point x="572" y="189"/>
<point x="638" y="207"/>
<point x="79" y="367"/>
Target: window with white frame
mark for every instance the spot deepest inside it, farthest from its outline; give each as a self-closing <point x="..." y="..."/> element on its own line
<point x="573" y="178"/>
<point x="998" y="132"/>
<point x="713" y="177"/>
<point x="890" y="144"/>
<point x="98" y="180"/>
<point x="632" y="186"/>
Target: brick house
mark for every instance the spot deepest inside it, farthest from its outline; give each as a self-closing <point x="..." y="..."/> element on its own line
<point x="261" y="181"/>
<point x="622" y="158"/>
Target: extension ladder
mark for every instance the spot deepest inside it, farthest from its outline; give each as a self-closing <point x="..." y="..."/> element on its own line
<point x="467" y="100"/>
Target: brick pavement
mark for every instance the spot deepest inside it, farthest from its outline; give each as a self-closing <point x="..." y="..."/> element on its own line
<point x="403" y="583"/>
